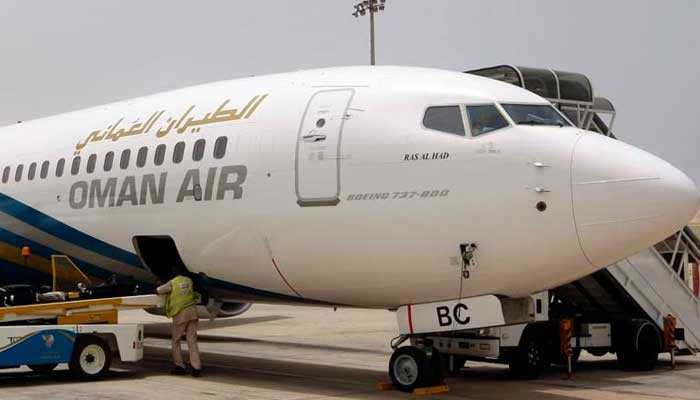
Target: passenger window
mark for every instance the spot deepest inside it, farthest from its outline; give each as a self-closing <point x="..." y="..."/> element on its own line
<point x="18" y="173"/>
<point x="198" y="151"/>
<point x="92" y="160"/>
<point x="6" y="175"/>
<point x="485" y="119"/>
<point x="75" y="167"/>
<point x="160" y="155"/>
<point x="444" y="119"/>
<point x="32" y="171"/>
<point x="179" y="152"/>
<point x="60" y="165"/>
<point x="141" y="157"/>
<point x="44" y="170"/>
<point x="109" y="161"/>
<point x="124" y="161"/>
<point x="220" y="147"/>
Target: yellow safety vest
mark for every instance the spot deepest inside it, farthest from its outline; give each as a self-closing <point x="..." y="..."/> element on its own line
<point x="181" y="297"/>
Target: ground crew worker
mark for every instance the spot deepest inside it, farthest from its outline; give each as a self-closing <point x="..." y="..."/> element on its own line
<point x="181" y="306"/>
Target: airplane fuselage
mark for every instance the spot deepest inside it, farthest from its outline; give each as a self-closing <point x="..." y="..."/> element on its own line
<point x="321" y="186"/>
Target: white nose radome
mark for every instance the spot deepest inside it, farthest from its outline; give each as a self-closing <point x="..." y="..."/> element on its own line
<point x="625" y="199"/>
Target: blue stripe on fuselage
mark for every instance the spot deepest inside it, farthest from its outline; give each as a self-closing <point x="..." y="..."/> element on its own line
<point x="69" y="234"/>
<point x="54" y="227"/>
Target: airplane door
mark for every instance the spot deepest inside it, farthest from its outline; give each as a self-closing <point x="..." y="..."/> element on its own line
<point x="318" y="148"/>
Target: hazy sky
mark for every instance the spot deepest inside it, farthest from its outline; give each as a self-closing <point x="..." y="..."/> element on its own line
<point x="58" y="56"/>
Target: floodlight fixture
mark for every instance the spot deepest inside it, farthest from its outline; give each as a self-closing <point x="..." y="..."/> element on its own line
<point x="373" y="7"/>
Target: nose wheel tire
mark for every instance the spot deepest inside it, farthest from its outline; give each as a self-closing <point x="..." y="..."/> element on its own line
<point x="410" y="368"/>
<point x="91" y="358"/>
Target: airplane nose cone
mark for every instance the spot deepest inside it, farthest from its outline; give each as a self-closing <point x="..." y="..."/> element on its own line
<point x="625" y="199"/>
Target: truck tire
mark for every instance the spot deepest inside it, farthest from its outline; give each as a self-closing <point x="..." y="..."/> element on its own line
<point x="638" y="349"/>
<point x="410" y="368"/>
<point x="529" y="359"/>
<point x="42" y="368"/>
<point x="91" y="358"/>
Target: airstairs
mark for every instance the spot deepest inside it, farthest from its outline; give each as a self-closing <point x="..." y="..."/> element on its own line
<point x="663" y="280"/>
<point x="651" y="284"/>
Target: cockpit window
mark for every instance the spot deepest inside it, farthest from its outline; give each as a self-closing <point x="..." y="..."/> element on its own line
<point x="485" y="119"/>
<point x="444" y="119"/>
<point x="535" y="114"/>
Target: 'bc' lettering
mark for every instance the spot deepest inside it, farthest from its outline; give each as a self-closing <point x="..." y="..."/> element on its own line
<point x="445" y="319"/>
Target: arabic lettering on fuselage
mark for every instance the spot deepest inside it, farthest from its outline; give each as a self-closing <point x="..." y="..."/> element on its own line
<point x="181" y="124"/>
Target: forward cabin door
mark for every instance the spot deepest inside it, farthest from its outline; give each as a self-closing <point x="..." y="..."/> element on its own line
<point x="318" y="148"/>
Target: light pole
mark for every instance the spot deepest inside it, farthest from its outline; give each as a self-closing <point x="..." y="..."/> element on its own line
<point x="371" y="6"/>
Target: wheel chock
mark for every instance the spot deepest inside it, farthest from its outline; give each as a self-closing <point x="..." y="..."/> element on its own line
<point x="431" y="390"/>
<point x="384" y="386"/>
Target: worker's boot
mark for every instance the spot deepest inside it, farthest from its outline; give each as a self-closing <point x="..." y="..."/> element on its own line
<point x="178" y="370"/>
<point x="197" y="373"/>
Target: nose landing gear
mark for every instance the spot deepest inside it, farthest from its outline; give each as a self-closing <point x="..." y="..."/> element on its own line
<point x="411" y="368"/>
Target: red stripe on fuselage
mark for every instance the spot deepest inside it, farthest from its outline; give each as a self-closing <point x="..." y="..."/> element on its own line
<point x="284" y="279"/>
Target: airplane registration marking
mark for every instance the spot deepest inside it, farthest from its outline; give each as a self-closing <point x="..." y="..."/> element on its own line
<point x="400" y="195"/>
<point x="180" y="125"/>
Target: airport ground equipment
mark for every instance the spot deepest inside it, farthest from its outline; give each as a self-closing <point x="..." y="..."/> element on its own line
<point x="620" y="309"/>
<point x="83" y="333"/>
<point x="87" y="349"/>
<point x="79" y="311"/>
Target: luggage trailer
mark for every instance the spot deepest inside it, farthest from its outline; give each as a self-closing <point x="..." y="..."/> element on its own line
<point x="85" y="334"/>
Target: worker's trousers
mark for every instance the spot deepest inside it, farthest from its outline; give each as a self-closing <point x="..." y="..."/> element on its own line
<point x="189" y="329"/>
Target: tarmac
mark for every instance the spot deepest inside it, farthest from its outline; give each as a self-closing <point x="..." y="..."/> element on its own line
<point x="281" y="352"/>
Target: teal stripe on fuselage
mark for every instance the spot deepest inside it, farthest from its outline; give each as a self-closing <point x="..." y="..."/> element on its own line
<point x="54" y="227"/>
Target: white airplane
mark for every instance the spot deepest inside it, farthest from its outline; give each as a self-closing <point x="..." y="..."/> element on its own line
<point x="375" y="187"/>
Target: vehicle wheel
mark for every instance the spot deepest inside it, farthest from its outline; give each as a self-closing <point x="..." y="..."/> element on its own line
<point x="528" y="360"/>
<point x="42" y="368"/>
<point x="91" y="358"/>
<point x="410" y="368"/>
<point x="641" y="349"/>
